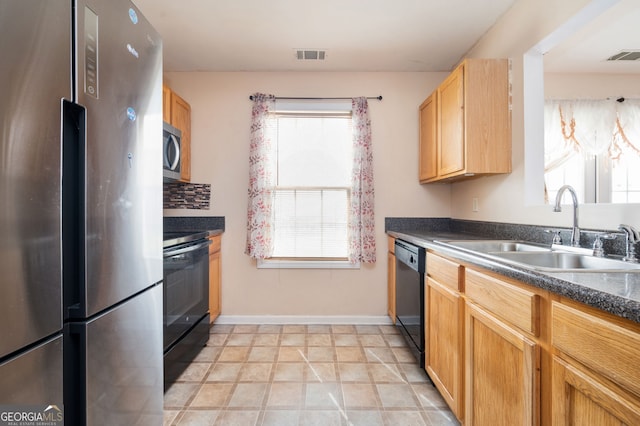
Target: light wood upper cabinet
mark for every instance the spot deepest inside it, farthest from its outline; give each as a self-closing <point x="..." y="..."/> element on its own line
<point x="166" y="104"/>
<point x="215" y="277"/>
<point x="181" y="119"/>
<point x="428" y="138"/>
<point x="177" y="112"/>
<point x="472" y="125"/>
<point x="451" y="149"/>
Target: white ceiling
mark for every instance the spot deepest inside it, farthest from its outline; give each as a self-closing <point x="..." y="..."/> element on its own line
<point x="365" y="35"/>
<point x="615" y="30"/>
<point x="359" y="35"/>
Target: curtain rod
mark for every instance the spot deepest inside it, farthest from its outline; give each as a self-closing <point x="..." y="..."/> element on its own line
<point x="320" y="99"/>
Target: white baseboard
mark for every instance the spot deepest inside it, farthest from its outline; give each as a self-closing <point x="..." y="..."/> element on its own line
<point x="305" y="319"/>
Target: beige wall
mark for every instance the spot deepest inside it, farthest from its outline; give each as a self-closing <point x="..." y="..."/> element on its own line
<point x="501" y="198"/>
<point x="221" y="113"/>
<point x="591" y="86"/>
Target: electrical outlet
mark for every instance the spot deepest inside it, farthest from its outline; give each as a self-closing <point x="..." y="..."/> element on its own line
<point x="474" y="204"/>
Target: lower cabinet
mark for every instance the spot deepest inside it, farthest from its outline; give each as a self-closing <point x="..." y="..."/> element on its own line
<point x="596" y="369"/>
<point x="502" y="370"/>
<point x="215" y="275"/>
<point x="579" y="398"/>
<point x="391" y="280"/>
<point x="502" y="352"/>
<point x="444" y="332"/>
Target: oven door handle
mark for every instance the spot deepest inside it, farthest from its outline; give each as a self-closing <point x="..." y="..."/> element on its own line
<point x="171" y="253"/>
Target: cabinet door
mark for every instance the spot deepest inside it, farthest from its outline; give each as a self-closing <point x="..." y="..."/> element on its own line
<point x="166" y="104"/>
<point x="391" y="286"/>
<point x="451" y="123"/>
<point x="502" y="372"/>
<point x="428" y="139"/>
<point x="181" y="119"/>
<point x="579" y="399"/>
<point x="443" y="358"/>
<point x="214" y="278"/>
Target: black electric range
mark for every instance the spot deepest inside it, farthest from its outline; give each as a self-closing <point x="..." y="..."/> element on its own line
<point x="186" y="299"/>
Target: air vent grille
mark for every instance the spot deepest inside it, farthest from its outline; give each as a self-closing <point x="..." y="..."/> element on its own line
<point x="311" y="54"/>
<point x="626" y="55"/>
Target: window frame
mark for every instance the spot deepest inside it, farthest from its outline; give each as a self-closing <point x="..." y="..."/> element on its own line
<point x="317" y="109"/>
<point x="597" y="181"/>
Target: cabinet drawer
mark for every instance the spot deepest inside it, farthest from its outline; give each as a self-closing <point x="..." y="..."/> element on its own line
<point x="444" y="271"/>
<point x="607" y="348"/>
<point x="515" y="305"/>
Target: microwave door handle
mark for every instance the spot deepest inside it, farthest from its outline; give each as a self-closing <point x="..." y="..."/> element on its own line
<point x="186" y="249"/>
<point x="176" y="147"/>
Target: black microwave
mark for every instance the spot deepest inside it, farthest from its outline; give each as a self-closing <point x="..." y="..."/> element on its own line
<point x="171" y="152"/>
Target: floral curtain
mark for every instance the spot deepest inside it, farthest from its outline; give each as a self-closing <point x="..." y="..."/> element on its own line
<point x="259" y="244"/>
<point x="261" y="166"/>
<point x="362" y="242"/>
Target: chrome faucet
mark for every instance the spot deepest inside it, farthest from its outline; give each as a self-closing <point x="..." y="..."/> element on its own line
<point x="575" y="232"/>
<point x="632" y="237"/>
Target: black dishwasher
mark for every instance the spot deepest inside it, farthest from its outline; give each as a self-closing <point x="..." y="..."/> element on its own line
<point x="410" y="269"/>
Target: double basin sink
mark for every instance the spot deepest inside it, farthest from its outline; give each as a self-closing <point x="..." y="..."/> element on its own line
<point x="542" y="258"/>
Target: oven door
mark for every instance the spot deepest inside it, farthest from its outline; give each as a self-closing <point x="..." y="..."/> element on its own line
<point x="186" y="289"/>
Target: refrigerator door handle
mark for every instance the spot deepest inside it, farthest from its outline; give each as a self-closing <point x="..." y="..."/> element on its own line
<point x="73" y="201"/>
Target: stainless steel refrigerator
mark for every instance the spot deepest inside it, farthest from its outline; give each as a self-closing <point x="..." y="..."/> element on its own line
<point x="81" y="210"/>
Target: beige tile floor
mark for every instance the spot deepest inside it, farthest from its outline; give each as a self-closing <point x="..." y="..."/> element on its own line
<point x="305" y="375"/>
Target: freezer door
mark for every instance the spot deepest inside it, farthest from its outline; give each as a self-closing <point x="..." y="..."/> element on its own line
<point x="35" y="74"/>
<point x="34" y="377"/>
<point x="119" y="79"/>
<point x="113" y="365"/>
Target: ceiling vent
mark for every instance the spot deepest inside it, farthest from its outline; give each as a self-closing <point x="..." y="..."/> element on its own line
<point x="625" y="55"/>
<point x="310" y="54"/>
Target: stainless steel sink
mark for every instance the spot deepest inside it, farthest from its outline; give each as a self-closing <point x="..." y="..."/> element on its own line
<point x="491" y="246"/>
<point x="558" y="260"/>
<point x="541" y="257"/>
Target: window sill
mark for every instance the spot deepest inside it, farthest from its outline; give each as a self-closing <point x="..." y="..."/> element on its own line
<point x="306" y="264"/>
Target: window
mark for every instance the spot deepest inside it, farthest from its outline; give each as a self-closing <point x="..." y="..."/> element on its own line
<point x="594" y="146"/>
<point x="598" y="179"/>
<point x="313" y="155"/>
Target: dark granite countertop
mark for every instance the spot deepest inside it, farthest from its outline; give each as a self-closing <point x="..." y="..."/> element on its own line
<point x="615" y="292"/>
<point x="214" y="225"/>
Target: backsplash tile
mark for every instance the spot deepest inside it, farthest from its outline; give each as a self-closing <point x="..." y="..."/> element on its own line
<point x="181" y="195"/>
